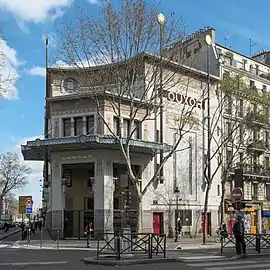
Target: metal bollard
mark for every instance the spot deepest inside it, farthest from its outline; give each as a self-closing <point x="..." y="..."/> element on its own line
<point x="28" y="236"/>
<point x="57" y="239"/>
<point x="41" y="231"/>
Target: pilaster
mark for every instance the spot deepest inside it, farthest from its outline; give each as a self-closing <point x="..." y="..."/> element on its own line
<point x="72" y="132"/>
<point x="103" y="196"/>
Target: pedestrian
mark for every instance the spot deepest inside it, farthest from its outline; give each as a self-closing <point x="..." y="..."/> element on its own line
<point x="238" y="231"/>
<point x="178" y="229"/>
<point x="87" y="232"/>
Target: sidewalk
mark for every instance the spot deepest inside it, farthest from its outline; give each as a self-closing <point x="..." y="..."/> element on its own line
<point x="186" y="243"/>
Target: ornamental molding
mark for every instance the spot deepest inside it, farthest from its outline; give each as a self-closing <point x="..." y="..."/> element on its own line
<point x="70" y="112"/>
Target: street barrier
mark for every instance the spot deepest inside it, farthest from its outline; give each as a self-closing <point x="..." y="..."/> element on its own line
<point x="118" y="245"/>
<point x="253" y="241"/>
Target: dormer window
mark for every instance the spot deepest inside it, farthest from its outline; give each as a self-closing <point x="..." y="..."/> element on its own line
<point x="70" y="85"/>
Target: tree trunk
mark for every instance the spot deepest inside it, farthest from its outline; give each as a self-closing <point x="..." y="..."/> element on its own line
<point x="221" y="207"/>
<point x="205" y="212"/>
<point x="139" y="215"/>
<point x="1" y="204"/>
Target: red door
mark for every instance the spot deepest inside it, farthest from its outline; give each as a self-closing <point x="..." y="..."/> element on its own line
<point x="157" y="223"/>
<point x="206" y="227"/>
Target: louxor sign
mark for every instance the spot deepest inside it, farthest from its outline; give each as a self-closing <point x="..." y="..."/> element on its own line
<point x="182" y="99"/>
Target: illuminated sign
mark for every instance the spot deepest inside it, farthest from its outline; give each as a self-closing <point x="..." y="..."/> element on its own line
<point x="182" y="99"/>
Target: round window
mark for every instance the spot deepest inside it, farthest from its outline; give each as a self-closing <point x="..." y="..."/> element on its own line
<point x="70" y="85"/>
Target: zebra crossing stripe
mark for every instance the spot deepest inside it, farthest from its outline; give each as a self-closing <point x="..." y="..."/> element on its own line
<point x="201" y="258"/>
<point x="231" y="265"/>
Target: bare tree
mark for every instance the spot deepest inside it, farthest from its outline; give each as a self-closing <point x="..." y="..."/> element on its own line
<point x="13" y="175"/>
<point x="123" y="64"/>
<point x="231" y="128"/>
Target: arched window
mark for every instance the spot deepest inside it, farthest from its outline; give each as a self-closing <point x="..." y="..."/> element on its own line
<point x="70" y="85"/>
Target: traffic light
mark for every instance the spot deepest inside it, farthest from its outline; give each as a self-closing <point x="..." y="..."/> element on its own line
<point x="238" y="178"/>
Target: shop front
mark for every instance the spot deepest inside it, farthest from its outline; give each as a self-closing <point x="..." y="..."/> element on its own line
<point x="250" y="219"/>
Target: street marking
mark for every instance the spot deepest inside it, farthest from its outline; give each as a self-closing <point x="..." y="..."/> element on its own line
<point x="201" y="257"/>
<point x="240" y="267"/>
<point x="32" y="263"/>
<point x="220" y="263"/>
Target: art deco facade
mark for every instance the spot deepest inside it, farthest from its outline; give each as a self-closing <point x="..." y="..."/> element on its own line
<point x="87" y="174"/>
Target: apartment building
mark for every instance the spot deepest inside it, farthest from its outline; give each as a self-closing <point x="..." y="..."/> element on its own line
<point x="87" y="174"/>
<point x="253" y="155"/>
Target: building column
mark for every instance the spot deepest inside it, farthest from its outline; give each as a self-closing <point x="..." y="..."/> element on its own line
<point x="72" y="131"/>
<point x="84" y="125"/>
<point x="57" y="200"/>
<point x="103" y="197"/>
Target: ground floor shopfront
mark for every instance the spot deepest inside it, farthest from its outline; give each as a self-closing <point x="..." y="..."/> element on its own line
<point x="253" y="217"/>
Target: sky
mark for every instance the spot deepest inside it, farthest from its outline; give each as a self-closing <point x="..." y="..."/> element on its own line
<point x="25" y="23"/>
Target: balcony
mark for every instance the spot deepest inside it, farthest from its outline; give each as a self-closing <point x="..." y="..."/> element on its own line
<point x="258" y="146"/>
<point x="258" y="119"/>
<point x="254" y="169"/>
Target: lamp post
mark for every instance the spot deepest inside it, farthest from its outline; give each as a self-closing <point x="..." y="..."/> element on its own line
<point x="208" y="41"/>
<point x="176" y="192"/>
<point x="161" y="21"/>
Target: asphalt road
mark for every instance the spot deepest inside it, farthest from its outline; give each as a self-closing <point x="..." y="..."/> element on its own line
<point x="207" y="259"/>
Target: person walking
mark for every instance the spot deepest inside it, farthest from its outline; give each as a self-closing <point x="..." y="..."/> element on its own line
<point x="238" y="231"/>
<point x="87" y="232"/>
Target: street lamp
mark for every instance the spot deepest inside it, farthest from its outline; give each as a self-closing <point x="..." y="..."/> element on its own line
<point x="161" y="21"/>
<point x="208" y="41"/>
<point x="177" y="193"/>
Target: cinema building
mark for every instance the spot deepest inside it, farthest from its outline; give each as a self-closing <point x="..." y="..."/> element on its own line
<point x="87" y="172"/>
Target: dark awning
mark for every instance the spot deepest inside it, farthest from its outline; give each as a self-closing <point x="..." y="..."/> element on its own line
<point x="35" y="150"/>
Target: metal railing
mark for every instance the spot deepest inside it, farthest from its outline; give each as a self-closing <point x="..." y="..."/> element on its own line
<point x="253" y="241"/>
<point x="117" y="245"/>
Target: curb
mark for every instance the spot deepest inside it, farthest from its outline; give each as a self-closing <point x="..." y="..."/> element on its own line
<point x="10" y="234"/>
<point x="95" y="261"/>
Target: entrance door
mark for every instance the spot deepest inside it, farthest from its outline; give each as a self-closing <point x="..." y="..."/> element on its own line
<point x="158" y="223"/>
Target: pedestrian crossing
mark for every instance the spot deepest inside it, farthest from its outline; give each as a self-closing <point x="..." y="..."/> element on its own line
<point x="226" y="263"/>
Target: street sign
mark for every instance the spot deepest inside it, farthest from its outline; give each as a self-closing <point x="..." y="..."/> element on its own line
<point x="28" y="203"/>
<point x="237" y="194"/>
<point x="28" y="210"/>
<point x="22" y="200"/>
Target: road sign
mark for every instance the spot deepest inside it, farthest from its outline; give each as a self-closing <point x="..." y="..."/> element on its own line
<point x="237" y="194"/>
<point x="28" y="210"/>
<point x="28" y="203"/>
<point x="22" y="200"/>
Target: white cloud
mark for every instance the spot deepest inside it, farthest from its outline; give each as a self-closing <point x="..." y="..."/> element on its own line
<point x="9" y="64"/>
<point x="33" y="187"/>
<point x="93" y="1"/>
<point x="36" y="71"/>
<point x="35" y="10"/>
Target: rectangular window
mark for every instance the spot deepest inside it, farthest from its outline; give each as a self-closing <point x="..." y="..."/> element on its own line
<point x="126" y="127"/>
<point x="157" y="136"/>
<point x="241" y="108"/>
<point x="67" y="175"/>
<point x="264" y="89"/>
<point x="257" y="69"/>
<point x="91" y="175"/>
<point x="254" y="191"/>
<point x="88" y="203"/>
<point x="90" y="124"/>
<point x="228" y="105"/>
<point x="116" y="126"/>
<point x="138" y="131"/>
<point x="267" y="163"/>
<point x="267" y="139"/>
<point x="67" y="127"/>
<point x="267" y="192"/>
<point x="218" y="190"/>
<point x="244" y="64"/>
<point x="185" y="217"/>
<point x="229" y="131"/>
<point x="229" y="156"/>
<point x="241" y="158"/>
<point x="116" y="203"/>
<point x="78" y="126"/>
